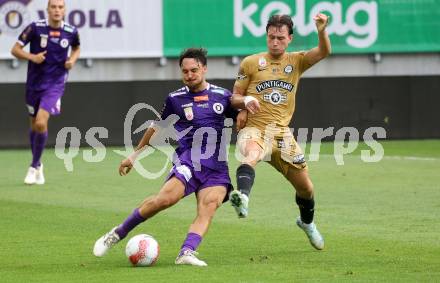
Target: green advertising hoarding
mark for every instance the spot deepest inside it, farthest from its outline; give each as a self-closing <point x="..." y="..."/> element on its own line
<point x="237" y="27"/>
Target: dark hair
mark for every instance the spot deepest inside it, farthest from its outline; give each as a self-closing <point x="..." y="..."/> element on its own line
<point x="199" y="54"/>
<point x="280" y="20"/>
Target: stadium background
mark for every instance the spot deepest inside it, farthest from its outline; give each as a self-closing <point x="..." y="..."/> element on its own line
<point x="384" y="70"/>
<point x="379" y="219"/>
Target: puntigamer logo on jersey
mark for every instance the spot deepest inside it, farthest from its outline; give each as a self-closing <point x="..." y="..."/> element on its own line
<point x="273" y="83"/>
<point x="252" y="16"/>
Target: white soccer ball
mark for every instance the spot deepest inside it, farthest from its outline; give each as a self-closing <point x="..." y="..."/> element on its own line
<point x="142" y="250"/>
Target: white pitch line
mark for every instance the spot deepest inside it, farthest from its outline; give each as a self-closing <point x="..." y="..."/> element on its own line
<point x="387" y="157"/>
<point x="396" y="157"/>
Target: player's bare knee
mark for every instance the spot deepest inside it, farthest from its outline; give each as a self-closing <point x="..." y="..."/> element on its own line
<point x="305" y="192"/>
<point x="251" y="160"/>
<point x="210" y="205"/>
<point x="252" y="153"/>
<point x="214" y="204"/>
<point x="40" y="126"/>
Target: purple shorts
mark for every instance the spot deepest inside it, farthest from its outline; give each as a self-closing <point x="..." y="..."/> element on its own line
<point x="196" y="181"/>
<point x="49" y="100"/>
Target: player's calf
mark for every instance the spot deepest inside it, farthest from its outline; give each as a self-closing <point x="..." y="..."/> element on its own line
<point x="245" y="178"/>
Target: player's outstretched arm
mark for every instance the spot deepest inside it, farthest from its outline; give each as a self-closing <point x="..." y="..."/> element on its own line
<point x="74" y="55"/>
<point x="18" y="52"/>
<point x="323" y="49"/>
<point x="127" y="164"/>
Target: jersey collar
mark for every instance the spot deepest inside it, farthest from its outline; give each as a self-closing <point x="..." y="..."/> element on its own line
<point x="269" y="58"/>
<point x="207" y="88"/>
<point x="61" y="27"/>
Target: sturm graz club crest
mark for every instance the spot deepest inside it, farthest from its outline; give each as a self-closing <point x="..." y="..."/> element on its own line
<point x="14" y="16"/>
<point x="275" y="97"/>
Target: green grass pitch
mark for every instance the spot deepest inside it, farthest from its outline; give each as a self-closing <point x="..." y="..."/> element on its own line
<point x="381" y="222"/>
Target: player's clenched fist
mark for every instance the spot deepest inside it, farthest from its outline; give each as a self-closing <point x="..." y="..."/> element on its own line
<point x="39" y="57"/>
<point x="125" y="167"/>
<point x="321" y="21"/>
<point x="69" y="64"/>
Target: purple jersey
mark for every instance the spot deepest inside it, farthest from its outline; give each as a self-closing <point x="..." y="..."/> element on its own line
<point x="203" y="111"/>
<point x="51" y="73"/>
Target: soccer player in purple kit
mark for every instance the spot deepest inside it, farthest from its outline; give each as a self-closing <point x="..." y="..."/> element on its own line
<point x="199" y="105"/>
<point x="48" y="69"/>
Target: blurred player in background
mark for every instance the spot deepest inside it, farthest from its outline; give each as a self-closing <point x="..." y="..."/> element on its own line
<point x="48" y="68"/>
<point x="198" y="105"/>
<point x="266" y="86"/>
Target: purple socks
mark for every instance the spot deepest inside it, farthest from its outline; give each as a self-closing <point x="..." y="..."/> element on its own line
<point x="191" y="242"/>
<point x="38" y="141"/>
<point x="31" y="140"/>
<point x="129" y="224"/>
